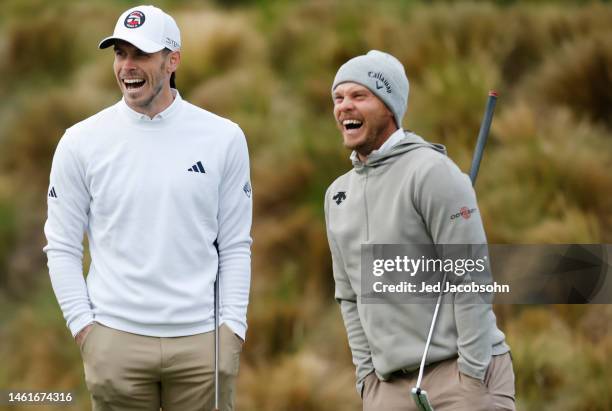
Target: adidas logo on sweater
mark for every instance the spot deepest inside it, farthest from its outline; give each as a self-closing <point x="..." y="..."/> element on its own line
<point x="52" y="193"/>
<point x="197" y="168"/>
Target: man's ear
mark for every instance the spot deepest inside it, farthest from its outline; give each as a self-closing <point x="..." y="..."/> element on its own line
<point x="174" y="61"/>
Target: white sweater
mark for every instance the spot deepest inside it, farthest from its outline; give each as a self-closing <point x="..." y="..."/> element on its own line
<point x="153" y="195"/>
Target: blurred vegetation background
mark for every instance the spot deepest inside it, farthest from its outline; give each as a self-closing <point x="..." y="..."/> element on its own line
<point x="545" y="177"/>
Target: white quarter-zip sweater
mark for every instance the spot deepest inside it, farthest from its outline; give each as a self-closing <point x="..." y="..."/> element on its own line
<point x="165" y="202"/>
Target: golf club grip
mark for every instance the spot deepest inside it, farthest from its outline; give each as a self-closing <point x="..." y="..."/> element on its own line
<point x="483" y="134"/>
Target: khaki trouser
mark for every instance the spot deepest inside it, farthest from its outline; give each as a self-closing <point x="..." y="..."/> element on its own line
<point x="125" y="371"/>
<point x="447" y="388"/>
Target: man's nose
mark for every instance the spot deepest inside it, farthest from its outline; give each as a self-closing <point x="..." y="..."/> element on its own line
<point x="129" y="63"/>
<point x="345" y="105"/>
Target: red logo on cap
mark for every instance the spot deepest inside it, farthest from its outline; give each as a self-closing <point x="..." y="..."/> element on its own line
<point x="134" y="20"/>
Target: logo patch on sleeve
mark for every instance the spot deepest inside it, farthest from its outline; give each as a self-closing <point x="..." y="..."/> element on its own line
<point x="339" y="197"/>
<point x="465" y="213"/>
<point x="52" y="193"/>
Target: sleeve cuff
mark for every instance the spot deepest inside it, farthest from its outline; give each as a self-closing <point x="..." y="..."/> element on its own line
<point x="80" y="322"/>
<point x="361" y="382"/>
<point x="470" y="371"/>
<point x="237" y="327"/>
<point x="359" y="387"/>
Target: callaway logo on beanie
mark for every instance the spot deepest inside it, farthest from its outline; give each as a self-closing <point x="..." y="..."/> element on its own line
<point x="147" y="28"/>
<point x="383" y="75"/>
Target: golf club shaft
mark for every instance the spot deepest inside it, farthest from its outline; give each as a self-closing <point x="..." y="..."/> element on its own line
<point x="431" y="328"/>
<point x="217" y="342"/>
<point x="485" y="126"/>
<point x="422" y="401"/>
<point x="480" y="145"/>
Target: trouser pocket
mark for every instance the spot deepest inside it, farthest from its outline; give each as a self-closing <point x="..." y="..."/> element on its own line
<point x="229" y="352"/>
<point x="120" y="369"/>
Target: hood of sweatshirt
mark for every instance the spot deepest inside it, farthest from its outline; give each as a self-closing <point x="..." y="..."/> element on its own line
<point x="409" y="142"/>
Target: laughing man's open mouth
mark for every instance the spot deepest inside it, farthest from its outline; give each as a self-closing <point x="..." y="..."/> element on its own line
<point x="352" y="124"/>
<point x="133" y="83"/>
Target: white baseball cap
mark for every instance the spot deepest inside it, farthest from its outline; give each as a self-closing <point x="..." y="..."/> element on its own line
<point x="146" y="27"/>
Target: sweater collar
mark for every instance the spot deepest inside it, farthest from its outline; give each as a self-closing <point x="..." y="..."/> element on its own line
<point x="393" y="139"/>
<point x="408" y="141"/>
<point x="167" y="113"/>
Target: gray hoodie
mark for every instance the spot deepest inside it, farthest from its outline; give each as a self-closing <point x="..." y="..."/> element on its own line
<point x="406" y="195"/>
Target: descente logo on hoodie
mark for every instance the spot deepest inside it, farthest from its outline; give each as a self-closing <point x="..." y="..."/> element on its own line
<point x="339" y="197"/>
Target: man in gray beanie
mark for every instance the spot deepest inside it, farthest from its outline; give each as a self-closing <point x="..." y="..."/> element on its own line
<point x="404" y="190"/>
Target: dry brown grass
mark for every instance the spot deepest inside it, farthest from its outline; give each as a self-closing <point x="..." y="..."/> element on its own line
<point x="553" y="171"/>
<point x="214" y="43"/>
<point x="560" y="368"/>
<point x="579" y="77"/>
<point x="545" y="176"/>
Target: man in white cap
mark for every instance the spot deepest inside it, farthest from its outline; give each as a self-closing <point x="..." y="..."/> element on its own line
<point x="162" y="189"/>
<point x="404" y="190"/>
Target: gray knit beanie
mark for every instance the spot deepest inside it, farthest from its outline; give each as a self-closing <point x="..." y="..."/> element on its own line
<point x="383" y="75"/>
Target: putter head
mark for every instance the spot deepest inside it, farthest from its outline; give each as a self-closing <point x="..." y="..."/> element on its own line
<point x="421" y="400"/>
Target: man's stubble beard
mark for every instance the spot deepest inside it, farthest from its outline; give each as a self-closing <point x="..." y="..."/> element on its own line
<point x="156" y="90"/>
<point x="369" y="144"/>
